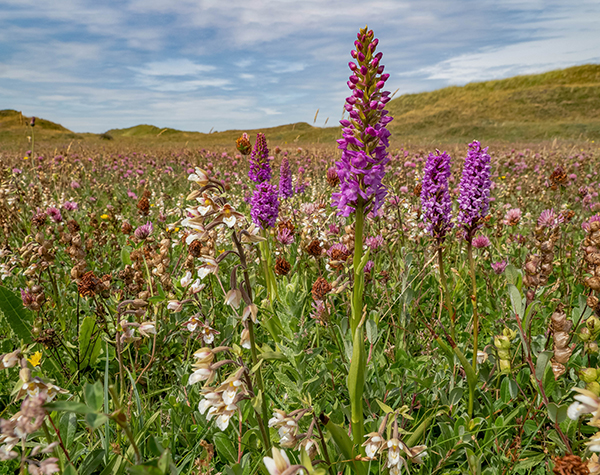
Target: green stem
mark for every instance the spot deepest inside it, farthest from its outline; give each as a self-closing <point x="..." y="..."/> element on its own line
<point x="356" y="375"/>
<point x="474" y="301"/>
<point x="259" y="383"/>
<point x="445" y="290"/>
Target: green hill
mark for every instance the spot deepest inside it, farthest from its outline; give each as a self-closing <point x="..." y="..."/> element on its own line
<point x="563" y="103"/>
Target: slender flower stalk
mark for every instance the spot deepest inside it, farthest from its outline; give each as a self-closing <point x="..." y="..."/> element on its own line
<point x="361" y="170"/>
<point x="437" y="212"/>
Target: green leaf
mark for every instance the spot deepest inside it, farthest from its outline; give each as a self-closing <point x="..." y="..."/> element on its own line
<point x="125" y="255"/>
<point x="224" y="447"/>
<point x="69" y="406"/>
<point x="557" y="413"/>
<point x="529" y="462"/>
<point x="384" y="407"/>
<point x="94" y="395"/>
<point x="17" y="316"/>
<point x="70" y="470"/>
<point x="95" y="420"/>
<point x="91" y="462"/>
<point x="89" y="343"/>
<point x="505" y="393"/>
<point x="456" y="395"/>
<point x="516" y="300"/>
<point x="542" y="361"/>
<point x="371" y="331"/>
<point x="512" y="274"/>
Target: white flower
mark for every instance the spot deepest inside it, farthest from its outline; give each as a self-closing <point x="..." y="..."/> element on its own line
<point x="594" y="443"/>
<point x="201" y="374"/>
<point x="245" y="339"/>
<point x="230" y="221"/>
<point x="278" y="464"/>
<point x="233" y="298"/>
<point x="231" y="391"/>
<point x="373" y="444"/>
<point x="482" y="357"/>
<point x="197" y="286"/>
<point x="147" y="328"/>
<point x="175" y="305"/>
<point x="186" y="279"/>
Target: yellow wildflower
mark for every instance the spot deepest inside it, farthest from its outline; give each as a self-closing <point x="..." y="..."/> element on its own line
<point x="104" y="216"/>
<point x="35" y="359"/>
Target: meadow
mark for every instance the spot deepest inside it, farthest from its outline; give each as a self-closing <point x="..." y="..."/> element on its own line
<point x="275" y="309"/>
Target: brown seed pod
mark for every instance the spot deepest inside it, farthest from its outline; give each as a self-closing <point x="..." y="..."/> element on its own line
<point x="320" y="288"/>
<point x="314" y="249"/>
<point x="282" y="267"/>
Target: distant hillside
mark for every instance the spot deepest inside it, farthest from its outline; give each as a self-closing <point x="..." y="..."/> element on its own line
<point x="300" y="132"/>
<point x="563" y="103"/>
<point x="11" y="120"/>
<point x="558" y="104"/>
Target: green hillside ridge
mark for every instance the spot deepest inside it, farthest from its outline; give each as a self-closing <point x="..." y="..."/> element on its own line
<point x="562" y="104"/>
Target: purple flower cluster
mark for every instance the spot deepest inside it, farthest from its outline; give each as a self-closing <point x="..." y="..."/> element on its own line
<point x="285" y="179"/>
<point x="143" y="231"/>
<point x="435" y="197"/>
<point x="365" y="137"/>
<point x="265" y="205"/>
<point x="260" y="167"/>
<point x="474" y="199"/>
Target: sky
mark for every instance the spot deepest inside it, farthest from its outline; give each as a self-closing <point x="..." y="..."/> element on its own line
<point x="202" y="65"/>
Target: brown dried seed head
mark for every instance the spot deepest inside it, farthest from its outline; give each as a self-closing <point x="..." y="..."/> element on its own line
<point x="320" y="288"/>
<point x="143" y="206"/>
<point x="592" y="302"/>
<point x="314" y="248"/>
<point x="195" y="248"/>
<point x="126" y="228"/>
<point x="570" y="465"/>
<point x="332" y="178"/>
<point x="282" y="267"/>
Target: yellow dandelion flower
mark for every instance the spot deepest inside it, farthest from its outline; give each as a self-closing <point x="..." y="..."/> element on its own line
<point x="104" y="216"/>
<point x="25" y="158"/>
<point x="35" y="359"/>
<point x="176" y="229"/>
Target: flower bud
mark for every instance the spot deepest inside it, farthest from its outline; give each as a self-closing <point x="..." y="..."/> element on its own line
<point x="593" y="387"/>
<point x="587" y="375"/>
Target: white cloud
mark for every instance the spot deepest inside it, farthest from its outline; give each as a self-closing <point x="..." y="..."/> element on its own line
<point x="173" y="67"/>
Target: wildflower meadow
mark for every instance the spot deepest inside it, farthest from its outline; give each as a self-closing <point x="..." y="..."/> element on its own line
<point x="363" y="307"/>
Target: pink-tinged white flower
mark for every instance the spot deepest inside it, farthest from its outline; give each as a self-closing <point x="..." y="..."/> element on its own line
<point x="373" y="444"/>
<point x="199" y="176"/>
<point x="417" y="453"/>
<point x="586" y="402"/>
<point x="147" y="328"/>
<point x="499" y="267"/>
<point x="245" y="339"/>
<point x="208" y="334"/>
<point x="174" y="306"/>
<point x="192" y="323"/>
<point x="593" y="444"/>
<point x="233" y="298"/>
<point x="197" y="286"/>
<point x="210" y="266"/>
<point x="222" y="421"/>
<point x="201" y="374"/>
<point x="9" y="360"/>
<point x="251" y="311"/>
<point x="186" y="279"/>
<point x="278" y="464"/>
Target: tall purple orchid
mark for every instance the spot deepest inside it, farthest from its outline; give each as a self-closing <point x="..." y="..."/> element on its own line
<point x="286" y="189"/>
<point x="435" y="197"/>
<point x="260" y="166"/>
<point x="365" y="137"/>
<point x="361" y="170"/>
<point x="474" y="199"/>
<point x="265" y="205"/>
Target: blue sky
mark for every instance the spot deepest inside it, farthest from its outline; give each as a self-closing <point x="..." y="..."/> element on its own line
<point x="225" y="64"/>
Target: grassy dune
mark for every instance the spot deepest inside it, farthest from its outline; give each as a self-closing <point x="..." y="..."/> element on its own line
<point x="561" y="104"/>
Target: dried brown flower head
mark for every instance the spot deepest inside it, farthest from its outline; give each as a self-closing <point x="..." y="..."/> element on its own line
<point x="314" y="248"/>
<point x="332" y="178"/>
<point x="282" y="267"/>
<point x="417" y="189"/>
<point x="570" y="465"/>
<point x="73" y="226"/>
<point x="195" y="248"/>
<point x="143" y="206"/>
<point x="244" y="145"/>
<point x="320" y="288"/>
<point x="88" y="284"/>
<point x="126" y="228"/>
<point x="558" y="177"/>
<point x="286" y="224"/>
